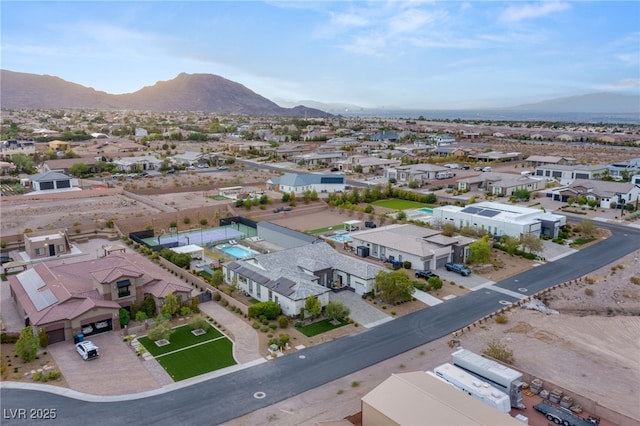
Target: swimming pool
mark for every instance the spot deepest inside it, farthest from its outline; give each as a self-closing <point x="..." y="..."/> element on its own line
<point x="239" y="252"/>
<point x="426" y="210"/>
<point x="341" y="238"/>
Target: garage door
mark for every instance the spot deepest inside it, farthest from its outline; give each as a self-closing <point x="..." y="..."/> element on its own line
<point x="440" y="261"/>
<point x="56" y="336"/>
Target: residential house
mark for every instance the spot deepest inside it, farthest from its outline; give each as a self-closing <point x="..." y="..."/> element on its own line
<point x="63" y="165"/>
<point x="568" y="173"/>
<point x="501" y="184"/>
<point x="320" y="158"/>
<point x="85" y="297"/>
<point x="291" y="149"/>
<point x="12" y="146"/>
<point x="629" y="167"/>
<point x="370" y="165"/>
<point x="449" y="151"/>
<point x="299" y="183"/>
<point x="290" y="276"/>
<point x="496" y="156"/>
<point x="420" y="173"/>
<point x="137" y="164"/>
<point x="542" y="160"/>
<point x="385" y="135"/>
<point x="53" y="182"/>
<point x="45" y="244"/>
<point x="501" y="219"/>
<point x="607" y="194"/>
<point x="442" y="139"/>
<point x="424" y="248"/>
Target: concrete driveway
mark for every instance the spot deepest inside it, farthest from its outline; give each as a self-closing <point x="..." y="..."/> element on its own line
<point x="361" y="312"/>
<point x="118" y="370"/>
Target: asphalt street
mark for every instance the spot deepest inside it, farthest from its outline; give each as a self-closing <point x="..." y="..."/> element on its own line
<point x="227" y="397"/>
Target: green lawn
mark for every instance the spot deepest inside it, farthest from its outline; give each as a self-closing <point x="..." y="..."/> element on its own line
<point x="320" y="327"/>
<point x="397" y="204"/>
<point x="326" y="229"/>
<point x="213" y="352"/>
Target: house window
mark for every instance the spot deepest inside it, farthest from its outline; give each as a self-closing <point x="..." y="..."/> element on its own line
<point x="258" y="290"/>
<point x="124" y="287"/>
<point x="40" y="251"/>
<point x="250" y="286"/>
<point x="60" y="248"/>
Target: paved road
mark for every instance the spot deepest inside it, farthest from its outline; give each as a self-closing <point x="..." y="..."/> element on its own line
<point x="225" y="398"/>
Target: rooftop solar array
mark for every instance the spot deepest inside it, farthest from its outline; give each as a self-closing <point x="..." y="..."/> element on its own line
<point x="249" y="273"/>
<point x="480" y="211"/>
<point x="32" y="283"/>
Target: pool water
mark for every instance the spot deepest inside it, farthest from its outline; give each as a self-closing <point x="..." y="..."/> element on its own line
<point x="237" y="251"/>
<point x="341" y="238"/>
<point x="426" y="210"/>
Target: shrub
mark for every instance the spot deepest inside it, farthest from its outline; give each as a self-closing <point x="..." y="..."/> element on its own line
<point x="498" y="350"/>
<point x="273" y="326"/>
<point x="355" y="384"/>
<point x="125" y="317"/>
<point x="9" y="337"/>
<point x="588" y="291"/>
<point x="270" y="310"/>
<point x="199" y="322"/>
<point x="141" y="316"/>
<point x="502" y="319"/>
<point x="224" y="302"/>
<point x="162" y="330"/>
<point x="217" y="297"/>
<point x="283" y="321"/>
<point x="43" y="337"/>
<point x="255" y="325"/>
<point x="185" y="310"/>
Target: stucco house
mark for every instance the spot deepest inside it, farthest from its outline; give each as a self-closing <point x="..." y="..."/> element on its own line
<point x="85" y="297"/>
<point x="607" y="194"/>
<point x="502" y="219"/>
<point x="289" y="277"/>
<point x="501" y="184"/>
<point x="420" y="173"/>
<point x="425" y="248"/>
<point x="44" y="244"/>
<point x="565" y="173"/>
<point x="299" y="183"/>
<point x="53" y="182"/>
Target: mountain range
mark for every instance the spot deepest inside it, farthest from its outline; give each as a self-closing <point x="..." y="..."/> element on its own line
<point x="212" y="93"/>
<point x="186" y="92"/>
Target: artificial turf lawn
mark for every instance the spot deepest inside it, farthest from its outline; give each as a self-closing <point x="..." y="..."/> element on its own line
<point x="326" y="228"/>
<point x="319" y="327"/>
<point x="398" y="204"/>
<point x="213" y="355"/>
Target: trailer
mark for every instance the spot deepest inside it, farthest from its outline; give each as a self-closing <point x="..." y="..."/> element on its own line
<point x="475" y="387"/>
<point x="564" y="416"/>
<point x="503" y="378"/>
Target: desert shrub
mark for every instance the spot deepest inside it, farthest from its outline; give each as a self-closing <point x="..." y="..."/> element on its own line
<point x="635" y="280"/>
<point x="9" y="337"/>
<point x="270" y="310"/>
<point x="43" y="337"/>
<point x="283" y="321"/>
<point x="199" y="321"/>
<point x="185" y="310"/>
<point x="255" y="325"/>
<point x="588" y="291"/>
<point x="498" y="350"/>
<point x="590" y="280"/>
<point x="217" y="297"/>
<point x="162" y="330"/>
<point x="502" y="319"/>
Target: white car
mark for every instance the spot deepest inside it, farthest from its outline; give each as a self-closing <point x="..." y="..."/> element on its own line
<point x="87" y="350"/>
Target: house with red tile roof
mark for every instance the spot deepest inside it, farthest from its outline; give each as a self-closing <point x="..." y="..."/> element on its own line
<point x="85" y="297"/>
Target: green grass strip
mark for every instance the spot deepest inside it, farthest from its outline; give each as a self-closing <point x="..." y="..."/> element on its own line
<point x="210" y="356"/>
<point x="320" y="327"/>
<point x="397" y="204"/>
<point x="181" y="338"/>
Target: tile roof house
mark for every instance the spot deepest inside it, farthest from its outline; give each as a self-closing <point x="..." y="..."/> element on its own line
<point x="425" y="248"/>
<point x="501" y="184"/>
<point x="290" y="276"/>
<point x="607" y="194"/>
<point x="85" y="297"/>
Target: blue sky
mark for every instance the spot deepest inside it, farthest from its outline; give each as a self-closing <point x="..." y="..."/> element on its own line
<point x="401" y="54"/>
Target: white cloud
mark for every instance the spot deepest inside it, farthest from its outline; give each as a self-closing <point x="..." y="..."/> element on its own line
<point x="528" y="11"/>
<point x="625" y="84"/>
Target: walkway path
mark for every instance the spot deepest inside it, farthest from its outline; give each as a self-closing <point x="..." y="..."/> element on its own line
<point x="245" y="348"/>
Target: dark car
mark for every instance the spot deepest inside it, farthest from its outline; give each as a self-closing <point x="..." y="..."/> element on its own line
<point x="369" y="224"/>
<point x="5" y="259"/>
<point x="335" y="169"/>
<point x="425" y="274"/>
<point x="458" y="268"/>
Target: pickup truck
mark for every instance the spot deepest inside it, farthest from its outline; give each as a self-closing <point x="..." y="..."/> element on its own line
<point x="564" y="416"/>
<point x="425" y="274"/>
<point x="458" y="268"/>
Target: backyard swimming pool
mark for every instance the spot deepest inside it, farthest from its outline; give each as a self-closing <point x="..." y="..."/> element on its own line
<point x="239" y="252"/>
<point x="426" y="210"/>
<point x="341" y="238"/>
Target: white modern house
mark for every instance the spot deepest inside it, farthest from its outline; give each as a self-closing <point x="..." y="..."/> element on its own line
<point x="502" y="219"/>
<point x="299" y="183"/>
<point x="289" y="277"/>
<point x="565" y="173"/>
<point x="607" y="194"/>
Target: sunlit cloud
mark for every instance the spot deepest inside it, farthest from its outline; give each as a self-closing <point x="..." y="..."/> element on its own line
<point x="625" y="84"/>
<point x="520" y="12"/>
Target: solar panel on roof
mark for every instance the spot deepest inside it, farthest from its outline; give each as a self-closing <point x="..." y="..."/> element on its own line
<point x="471" y="210"/>
<point x="32" y="283"/>
<point x="488" y="213"/>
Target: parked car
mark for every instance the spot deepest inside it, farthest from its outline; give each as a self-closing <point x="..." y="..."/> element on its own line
<point x="335" y="169"/>
<point x="223" y="168"/>
<point x="458" y="268"/>
<point x="369" y="224"/>
<point x="5" y="259"/>
<point x="425" y="274"/>
<point x="87" y="329"/>
<point x="87" y="350"/>
<point x="465" y="167"/>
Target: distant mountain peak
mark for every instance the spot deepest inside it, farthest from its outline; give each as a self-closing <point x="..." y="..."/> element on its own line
<point x="185" y="92"/>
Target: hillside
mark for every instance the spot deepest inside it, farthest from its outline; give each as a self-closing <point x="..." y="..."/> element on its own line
<point x="612" y="103"/>
<point x="186" y="92"/>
